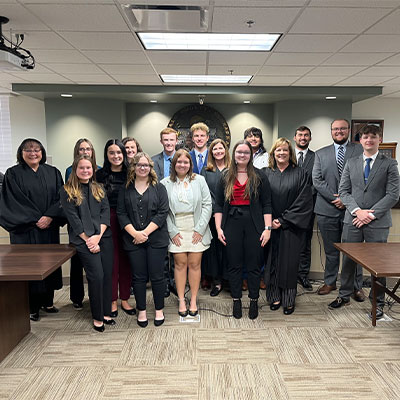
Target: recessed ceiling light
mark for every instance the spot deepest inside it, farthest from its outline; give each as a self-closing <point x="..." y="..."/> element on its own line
<point x="153" y="101"/>
<point x="208" y="41"/>
<point x="66" y="95"/>
<point x="206" y="78"/>
<point x="246" y="101"/>
<point x="330" y="97"/>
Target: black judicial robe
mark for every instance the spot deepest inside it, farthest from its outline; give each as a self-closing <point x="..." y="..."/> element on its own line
<point x="292" y="205"/>
<point x="26" y="197"/>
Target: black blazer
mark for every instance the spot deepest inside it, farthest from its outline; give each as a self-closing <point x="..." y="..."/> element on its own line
<point x="157" y="211"/>
<point x="308" y="165"/>
<point x="259" y="205"/>
<point x="85" y="218"/>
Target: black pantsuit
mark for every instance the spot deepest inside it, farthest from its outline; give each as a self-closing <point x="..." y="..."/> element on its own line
<point x="243" y="246"/>
<point x="147" y="262"/>
<point x="98" y="268"/>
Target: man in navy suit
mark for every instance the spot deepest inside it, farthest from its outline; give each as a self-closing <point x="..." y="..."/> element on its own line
<point x="369" y="188"/>
<point x="305" y="159"/>
<point x="329" y="208"/>
<point x="200" y="136"/>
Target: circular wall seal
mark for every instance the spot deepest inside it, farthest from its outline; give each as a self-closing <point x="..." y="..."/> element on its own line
<point x="183" y="119"/>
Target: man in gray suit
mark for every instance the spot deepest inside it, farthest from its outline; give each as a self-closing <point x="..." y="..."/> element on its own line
<point x="329" y="208"/>
<point x="162" y="165"/>
<point x="305" y="159"/>
<point x="369" y="188"/>
<point x="162" y="161"/>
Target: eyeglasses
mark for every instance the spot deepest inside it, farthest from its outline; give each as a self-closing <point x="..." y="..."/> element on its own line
<point x="82" y="149"/>
<point x="32" y="150"/>
<point x="340" y="129"/>
<point x="242" y="153"/>
<point x="144" y="166"/>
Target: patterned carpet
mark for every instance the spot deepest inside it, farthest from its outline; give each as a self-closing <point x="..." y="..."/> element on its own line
<point x="314" y="353"/>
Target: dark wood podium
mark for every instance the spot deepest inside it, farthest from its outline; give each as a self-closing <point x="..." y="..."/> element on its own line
<point x="381" y="260"/>
<point x="20" y="263"/>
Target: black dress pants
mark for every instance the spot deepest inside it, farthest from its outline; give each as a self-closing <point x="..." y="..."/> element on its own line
<point x="76" y="290"/>
<point x="148" y="263"/>
<point x="243" y="246"/>
<point x="39" y="299"/>
<point x="98" y="268"/>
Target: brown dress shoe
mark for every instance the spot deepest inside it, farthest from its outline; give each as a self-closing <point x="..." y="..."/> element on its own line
<point x="263" y="286"/>
<point x="359" y="295"/>
<point x="326" y="289"/>
<point x="244" y="284"/>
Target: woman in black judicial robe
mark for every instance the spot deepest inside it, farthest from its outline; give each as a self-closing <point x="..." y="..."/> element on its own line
<point x="292" y="208"/>
<point x="30" y="211"/>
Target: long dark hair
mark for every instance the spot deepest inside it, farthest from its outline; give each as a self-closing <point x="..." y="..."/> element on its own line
<point x="255" y="132"/>
<point x="106" y="163"/>
<point x="230" y="175"/>
<point x="23" y="145"/>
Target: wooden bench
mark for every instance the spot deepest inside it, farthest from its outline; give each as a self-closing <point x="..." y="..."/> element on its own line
<point x="381" y="260"/>
<point x="20" y="263"/>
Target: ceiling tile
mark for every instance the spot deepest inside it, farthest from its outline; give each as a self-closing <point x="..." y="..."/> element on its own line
<point x="374" y="44"/>
<point x="335" y="71"/>
<point x="393" y="81"/>
<point x="394" y="95"/>
<point x="356" y="3"/>
<point x="362" y="59"/>
<point x="124" y="69"/>
<point x="381" y="71"/>
<point x="259" y="3"/>
<point x="363" y="80"/>
<point x="44" y="41"/>
<point x="47" y="78"/>
<point x="101" y="79"/>
<point x="69" y="1"/>
<point x="273" y="80"/>
<point x="318" y="80"/>
<point x="80" y="17"/>
<point x="181" y="69"/>
<point x="21" y="19"/>
<point x="113" y="56"/>
<point x="137" y="79"/>
<point x="333" y="20"/>
<point x="102" y="41"/>
<point x="296" y="58"/>
<point x="60" y="56"/>
<point x="177" y="57"/>
<point x="65" y="68"/>
<point x="283" y="70"/>
<point x="267" y="20"/>
<point x="236" y="69"/>
<point x="395" y="60"/>
<point x="312" y="43"/>
<point x="237" y="58"/>
<point x="389" y="24"/>
<point x="390" y="88"/>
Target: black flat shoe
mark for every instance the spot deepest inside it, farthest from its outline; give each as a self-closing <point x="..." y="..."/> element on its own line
<point x="114" y="314"/>
<point x="274" y="307"/>
<point x="78" y="306"/>
<point x="159" y="322"/>
<point x="99" y="328"/>
<point x="50" y="310"/>
<point x="143" y="324"/>
<point x="34" y="316"/>
<point x="132" y="311"/>
<point x="109" y="322"/>
<point x="288" y="310"/>
<point x="193" y="313"/>
<point x="215" y="291"/>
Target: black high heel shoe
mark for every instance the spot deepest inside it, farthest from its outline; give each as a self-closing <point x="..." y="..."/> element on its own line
<point x="132" y="311"/>
<point x="274" y="307"/>
<point x="99" y="328"/>
<point x="193" y="313"/>
<point x="143" y="324"/>
<point x="183" y="313"/>
<point x="288" y="310"/>
<point x="109" y="322"/>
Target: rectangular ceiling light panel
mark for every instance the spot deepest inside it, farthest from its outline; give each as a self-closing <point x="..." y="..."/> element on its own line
<point x="206" y="78"/>
<point x="208" y="41"/>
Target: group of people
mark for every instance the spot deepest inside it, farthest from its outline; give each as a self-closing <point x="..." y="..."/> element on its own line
<point x="137" y="218"/>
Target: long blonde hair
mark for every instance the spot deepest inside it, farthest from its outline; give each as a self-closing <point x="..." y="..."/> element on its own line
<point x="230" y="175"/>
<point x="73" y="186"/>
<point x="152" y="178"/>
<point x="278" y="143"/>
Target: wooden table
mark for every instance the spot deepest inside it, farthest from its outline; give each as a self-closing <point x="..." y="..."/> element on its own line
<point x="20" y="263"/>
<point x="381" y="260"/>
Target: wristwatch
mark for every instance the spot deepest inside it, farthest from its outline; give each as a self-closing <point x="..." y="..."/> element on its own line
<point x="268" y="228"/>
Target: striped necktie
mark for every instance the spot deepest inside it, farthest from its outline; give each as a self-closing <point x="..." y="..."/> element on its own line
<point x="200" y="163"/>
<point x="340" y="160"/>
<point x="367" y="169"/>
<point x="300" y="161"/>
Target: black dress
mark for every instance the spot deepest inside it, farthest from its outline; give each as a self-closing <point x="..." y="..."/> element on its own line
<point x="26" y="197"/>
<point x="292" y="205"/>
